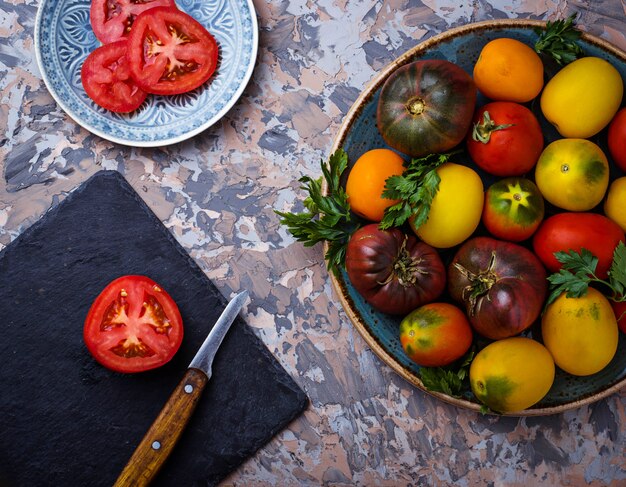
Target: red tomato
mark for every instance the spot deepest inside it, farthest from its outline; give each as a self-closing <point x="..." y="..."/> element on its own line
<point x="111" y="20"/>
<point x="617" y="139"/>
<point x="170" y="52"/>
<point x="107" y="81"/>
<point x="513" y="209"/>
<point x="506" y="139"/>
<point x="394" y="272"/>
<point x="502" y="285"/>
<point x="133" y="325"/>
<point x="573" y="231"/>
<point x="619" y="308"/>
<point x="435" y="334"/>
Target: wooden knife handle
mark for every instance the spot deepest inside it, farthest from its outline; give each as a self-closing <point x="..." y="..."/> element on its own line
<point x="160" y="439"/>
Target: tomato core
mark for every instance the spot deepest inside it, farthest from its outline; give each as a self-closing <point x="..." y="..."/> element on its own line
<point x="416" y="106"/>
<point x="517" y="196"/>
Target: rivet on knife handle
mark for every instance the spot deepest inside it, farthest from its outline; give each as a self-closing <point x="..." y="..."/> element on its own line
<point x="160" y="439"/>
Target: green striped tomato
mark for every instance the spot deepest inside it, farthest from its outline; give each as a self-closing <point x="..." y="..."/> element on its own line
<point x="426" y="107"/>
<point x="513" y="209"/>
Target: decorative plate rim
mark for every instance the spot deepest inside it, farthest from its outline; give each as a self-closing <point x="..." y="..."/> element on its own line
<point x="339" y="285"/>
<point x="234" y="97"/>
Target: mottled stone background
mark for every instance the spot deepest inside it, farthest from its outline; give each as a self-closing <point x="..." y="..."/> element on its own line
<point x="217" y="192"/>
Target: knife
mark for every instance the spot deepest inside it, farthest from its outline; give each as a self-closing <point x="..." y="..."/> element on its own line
<point x="160" y="439"/>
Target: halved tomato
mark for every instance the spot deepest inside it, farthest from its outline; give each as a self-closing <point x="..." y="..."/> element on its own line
<point x="111" y="20"/>
<point x="107" y="81"/>
<point x="170" y="52"/>
<point x="133" y="325"/>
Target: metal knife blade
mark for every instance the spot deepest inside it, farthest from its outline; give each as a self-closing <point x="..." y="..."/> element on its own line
<point x="161" y="437"/>
<point x="206" y="353"/>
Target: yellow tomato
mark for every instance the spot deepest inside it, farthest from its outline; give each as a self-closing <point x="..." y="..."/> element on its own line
<point x="456" y="208"/>
<point x="582" y="98"/>
<point x="508" y="70"/>
<point x="581" y="333"/>
<point x="615" y="203"/>
<point x="572" y="174"/>
<point x="366" y="182"/>
<point x="512" y="374"/>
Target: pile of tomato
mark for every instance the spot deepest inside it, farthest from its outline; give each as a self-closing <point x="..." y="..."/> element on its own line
<point x="478" y="266"/>
<point x="149" y="47"/>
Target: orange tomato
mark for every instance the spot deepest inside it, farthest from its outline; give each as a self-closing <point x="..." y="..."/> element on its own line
<point x="508" y="70"/>
<point x="366" y="182"/>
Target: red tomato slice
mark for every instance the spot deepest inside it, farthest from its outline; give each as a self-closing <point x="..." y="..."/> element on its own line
<point x="111" y="20"/>
<point x="170" y="52"/>
<point x="133" y="325"/>
<point x="107" y="80"/>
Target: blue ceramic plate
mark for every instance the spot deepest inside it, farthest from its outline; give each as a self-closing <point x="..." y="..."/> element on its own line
<point x="359" y="134"/>
<point x="64" y="38"/>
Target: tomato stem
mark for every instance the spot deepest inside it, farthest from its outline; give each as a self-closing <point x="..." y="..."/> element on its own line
<point x="482" y="131"/>
<point x="405" y="267"/>
<point x="480" y="283"/>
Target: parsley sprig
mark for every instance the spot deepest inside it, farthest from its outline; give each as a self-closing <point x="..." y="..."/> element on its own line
<point x="415" y="188"/>
<point x="558" y="40"/>
<point x="452" y="380"/>
<point x="578" y="271"/>
<point x="327" y="218"/>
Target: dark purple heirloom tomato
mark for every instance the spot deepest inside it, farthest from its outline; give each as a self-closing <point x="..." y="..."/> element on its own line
<point x="503" y="286"/>
<point x="394" y="272"/>
<point x="426" y="107"/>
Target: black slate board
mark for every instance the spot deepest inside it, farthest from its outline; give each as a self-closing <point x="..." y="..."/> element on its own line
<point x="67" y="421"/>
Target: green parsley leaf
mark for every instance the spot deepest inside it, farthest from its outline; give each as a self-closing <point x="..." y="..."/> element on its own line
<point x="559" y="40"/>
<point x="415" y="188"/>
<point x="327" y="218"/>
<point x="484" y="409"/>
<point x="452" y="380"/>
<point x="575" y="285"/>
<point x="617" y="272"/>
<point x="578" y="271"/>
<point x="576" y="262"/>
<point x="441" y="380"/>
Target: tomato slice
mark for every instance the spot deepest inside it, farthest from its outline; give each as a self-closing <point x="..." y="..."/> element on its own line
<point x="111" y="20"/>
<point x="133" y="325"/>
<point x="170" y="52"/>
<point x="107" y="80"/>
